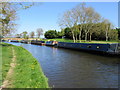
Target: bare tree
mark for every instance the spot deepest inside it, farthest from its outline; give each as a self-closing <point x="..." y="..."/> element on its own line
<point x="107" y="26"/>
<point x="32" y="34"/>
<point x="87" y="18"/>
<point x="69" y="20"/>
<point x="39" y="32"/>
<point x="92" y="18"/>
<point x="83" y="18"/>
<point x="81" y="14"/>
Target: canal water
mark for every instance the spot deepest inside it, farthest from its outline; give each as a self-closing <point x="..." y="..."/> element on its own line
<point x="66" y="68"/>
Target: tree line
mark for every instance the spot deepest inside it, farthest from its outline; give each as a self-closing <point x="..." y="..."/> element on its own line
<point x="84" y="23"/>
<point x="98" y="33"/>
<point x="32" y="34"/>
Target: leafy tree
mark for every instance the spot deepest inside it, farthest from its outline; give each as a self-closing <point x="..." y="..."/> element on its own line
<point x="60" y="34"/>
<point x="50" y="34"/>
<point x="17" y="35"/>
<point x="8" y="15"/>
<point x="118" y="29"/>
<point x="113" y="35"/>
<point x="67" y="33"/>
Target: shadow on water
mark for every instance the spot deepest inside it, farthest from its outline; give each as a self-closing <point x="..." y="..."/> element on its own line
<point x="67" y="68"/>
<point x="111" y="58"/>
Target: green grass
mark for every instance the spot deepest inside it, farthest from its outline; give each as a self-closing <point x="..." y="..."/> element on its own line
<point x="27" y="72"/>
<point x="60" y="40"/>
<point x="6" y="59"/>
<point x="82" y="41"/>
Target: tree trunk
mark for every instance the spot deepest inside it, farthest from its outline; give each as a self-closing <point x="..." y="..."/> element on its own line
<point x="90" y="36"/>
<point x="85" y="36"/>
<point x="80" y="29"/>
<point x="106" y="36"/>
<point x="76" y="36"/>
<point x="73" y="36"/>
<point x="80" y="36"/>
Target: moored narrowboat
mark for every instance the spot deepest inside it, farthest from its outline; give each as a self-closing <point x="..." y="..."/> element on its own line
<point x="106" y="48"/>
<point x="36" y="42"/>
<point x="51" y="43"/>
<point x="14" y="41"/>
<point x="24" y="41"/>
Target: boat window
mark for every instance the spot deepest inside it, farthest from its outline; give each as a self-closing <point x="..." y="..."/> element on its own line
<point x="98" y="47"/>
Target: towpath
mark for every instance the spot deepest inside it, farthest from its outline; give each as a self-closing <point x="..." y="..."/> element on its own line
<point x="8" y="81"/>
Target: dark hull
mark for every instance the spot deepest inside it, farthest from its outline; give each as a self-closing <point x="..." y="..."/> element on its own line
<point x="49" y="44"/>
<point x="36" y="43"/>
<point x="14" y="41"/>
<point x="25" y="42"/>
<point x="100" y="48"/>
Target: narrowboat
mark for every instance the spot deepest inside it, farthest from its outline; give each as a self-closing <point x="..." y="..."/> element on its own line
<point x="51" y="43"/>
<point x="106" y="48"/>
<point x="36" y="42"/>
<point x="3" y="40"/>
<point x="24" y="41"/>
<point x="14" y="41"/>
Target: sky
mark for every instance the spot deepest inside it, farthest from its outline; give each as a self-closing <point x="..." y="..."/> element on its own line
<point x="46" y="15"/>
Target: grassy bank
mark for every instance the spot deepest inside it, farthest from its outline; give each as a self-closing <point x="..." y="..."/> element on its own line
<point x="27" y="72"/>
<point x="6" y="59"/>
<point x="82" y="41"/>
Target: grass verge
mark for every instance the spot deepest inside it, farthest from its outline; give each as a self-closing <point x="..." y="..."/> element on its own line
<point x="6" y="59"/>
<point x="82" y="41"/>
<point x="27" y="72"/>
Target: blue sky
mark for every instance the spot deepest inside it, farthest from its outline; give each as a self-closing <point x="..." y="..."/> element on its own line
<point x="46" y="15"/>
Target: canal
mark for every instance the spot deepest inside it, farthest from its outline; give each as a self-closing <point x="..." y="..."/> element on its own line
<point x="74" y="69"/>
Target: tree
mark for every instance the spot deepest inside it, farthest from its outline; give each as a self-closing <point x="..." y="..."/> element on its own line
<point x="60" y="34"/>
<point x="32" y="34"/>
<point x="39" y="32"/>
<point x="113" y="34"/>
<point x="24" y="34"/>
<point x="68" y="33"/>
<point x="80" y="18"/>
<point x="68" y="21"/>
<point x="50" y="34"/>
<point x="85" y="20"/>
<point x="80" y="12"/>
<point x="107" y="26"/>
<point x="17" y="35"/>
<point x="92" y="18"/>
<point x="118" y="29"/>
<point x="8" y="15"/>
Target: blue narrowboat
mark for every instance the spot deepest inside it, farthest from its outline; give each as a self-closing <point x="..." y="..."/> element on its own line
<point x="107" y="48"/>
